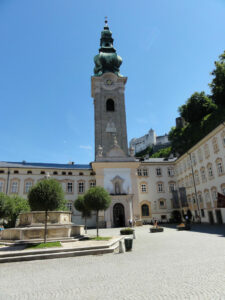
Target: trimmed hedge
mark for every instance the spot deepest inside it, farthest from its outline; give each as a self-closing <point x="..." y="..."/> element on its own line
<point x="126" y="231"/>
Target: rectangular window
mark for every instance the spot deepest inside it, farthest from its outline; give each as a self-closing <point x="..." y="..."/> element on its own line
<point x="158" y="172"/>
<point x="139" y="171"/>
<point x="1" y="186"/>
<point x="171" y="171"/>
<point x="161" y="203"/>
<point x="81" y="187"/>
<point x="69" y="187"/>
<point x="14" y="187"/>
<point x="145" y="172"/>
<point x="160" y="187"/>
<point x="92" y="183"/>
<point x="143" y="188"/>
<point x="28" y="185"/>
<point x="203" y="213"/>
<point x="220" y="168"/>
<point x="69" y="206"/>
<point x="210" y="172"/>
<point x="172" y="187"/>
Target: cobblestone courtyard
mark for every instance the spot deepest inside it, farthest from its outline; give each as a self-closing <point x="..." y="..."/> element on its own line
<point x="168" y="265"/>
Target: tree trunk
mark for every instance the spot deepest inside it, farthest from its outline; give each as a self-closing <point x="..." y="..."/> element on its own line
<point x="46" y="220"/>
<point x="97" y="221"/>
<point x="85" y="224"/>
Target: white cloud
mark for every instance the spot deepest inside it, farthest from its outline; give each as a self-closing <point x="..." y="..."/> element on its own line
<point x="86" y="147"/>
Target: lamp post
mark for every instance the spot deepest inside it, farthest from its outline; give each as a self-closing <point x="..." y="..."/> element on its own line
<point x="196" y="196"/>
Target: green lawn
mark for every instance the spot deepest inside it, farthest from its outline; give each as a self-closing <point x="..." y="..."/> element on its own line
<point x="44" y="245"/>
<point x="101" y="238"/>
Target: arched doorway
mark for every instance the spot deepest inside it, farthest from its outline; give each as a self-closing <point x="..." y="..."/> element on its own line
<point x="118" y="215"/>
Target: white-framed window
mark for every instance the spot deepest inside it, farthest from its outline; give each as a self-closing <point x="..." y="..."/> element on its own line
<point x="69" y="206"/>
<point x="210" y="170"/>
<point x="139" y="172"/>
<point x="28" y="185"/>
<point x="145" y="172"/>
<point x="81" y="188"/>
<point x="214" y="194"/>
<point x="14" y="188"/>
<point x="1" y="186"/>
<point x="219" y="166"/>
<point x="207" y="196"/>
<point x="69" y="187"/>
<point x="143" y="188"/>
<point x="199" y="197"/>
<point x="162" y="203"/>
<point x="193" y="199"/>
<point x="171" y="186"/>
<point x="206" y="150"/>
<point x="170" y="171"/>
<point x="92" y="183"/>
<point x="203" y="174"/>
<point x="160" y="187"/>
<point x="196" y="177"/>
<point x="215" y="145"/>
<point x="158" y="171"/>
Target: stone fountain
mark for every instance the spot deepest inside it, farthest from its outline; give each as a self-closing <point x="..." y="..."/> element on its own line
<point x="31" y="227"/>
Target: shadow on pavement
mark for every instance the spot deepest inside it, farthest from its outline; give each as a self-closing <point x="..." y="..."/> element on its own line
<point x="203" y="228"/>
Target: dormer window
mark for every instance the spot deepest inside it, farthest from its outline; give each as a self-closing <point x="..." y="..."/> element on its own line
<point x="55" y="173"/>
<point x="70" y="173"/>
<point x="81" y="174"/>
<point x="42" y="172"/>
<point x="29" y="172"/>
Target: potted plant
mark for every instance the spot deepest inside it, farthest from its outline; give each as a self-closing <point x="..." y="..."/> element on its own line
<point x="126" y="231"/>
<point x="156" y="228"/>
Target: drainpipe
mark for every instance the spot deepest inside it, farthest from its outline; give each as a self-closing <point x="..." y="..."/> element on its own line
<point x="196" y="196"/>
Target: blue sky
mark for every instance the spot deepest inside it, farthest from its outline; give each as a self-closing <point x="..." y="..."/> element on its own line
<point x="46" y="63"/>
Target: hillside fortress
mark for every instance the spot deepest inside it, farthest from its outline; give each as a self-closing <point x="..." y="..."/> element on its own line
<point x="140" y="190"/>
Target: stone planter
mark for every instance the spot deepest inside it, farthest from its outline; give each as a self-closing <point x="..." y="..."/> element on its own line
<point x="156" y="229"/>
<point x="186" y="227"/>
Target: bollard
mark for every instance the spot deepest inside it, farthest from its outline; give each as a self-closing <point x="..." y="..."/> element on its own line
<point x="134" y="236"/>
<point x="121" y="247"/>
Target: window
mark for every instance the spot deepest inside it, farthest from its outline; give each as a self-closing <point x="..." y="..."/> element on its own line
<point x="1" y="186"/>
<point x="92" y="173"/>
<point x="139" y="172"/>
<point x="160" y="187"/>
<point x="81" y="188"/>
<point x="162" y="203"/>
<point x="158" y="172"/>
<point x="191" y="180"/>
<point x="214" y="194"/>
<point x="193" y="158"/>
<point x="210" y="171"/>
<point x="206" y="150"/>
<point x="55" y="173"/>
<point x="203" y="213"/>
<point x="92" y="183"/>
<point x="2" y="171"/>
<point x="16" y="172"/>
<point x="215" y="145"/>
<point x="186" y="181"/>
<point x="196" y="177"/>
<point x="203" y="174"/>
<point x="145" y="172"/>
<point x="223" y="138"/>
<point x="14" y="188"/>
<point x="42" y="172"/>
<point x="207" y="196"/>
<point x="70" y="173"/>
<point x="28" y="185"/>
<point x="219" y="166"/>
<point x="110" y="105"/>
<point x="171" y="171"/>
<point x="143" y="188"/>
<point x="200" y="158"/>
<point x="145" y="210"/>
<point x="69" y="206"/>
<point x="171" y="186"/>
<point x="200" y="197"/>
<point x="29" y="172"/>
<point x="63" y="173"/>
<point x="81" y="174"/>
<point x="193" y="198"/>
<point x="69" y="187"/>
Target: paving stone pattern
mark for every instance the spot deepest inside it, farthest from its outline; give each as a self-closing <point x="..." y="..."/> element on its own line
<point x="168" y="265"/>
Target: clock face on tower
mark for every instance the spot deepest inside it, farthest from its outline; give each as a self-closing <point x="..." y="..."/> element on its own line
<point x="109" y="82"/>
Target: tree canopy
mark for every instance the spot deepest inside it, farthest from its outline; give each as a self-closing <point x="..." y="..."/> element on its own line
<point x="80" y="206"/>
<point x="46" y="195"/>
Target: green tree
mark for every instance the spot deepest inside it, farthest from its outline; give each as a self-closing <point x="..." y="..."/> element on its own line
<point x="165" y="152"/>
<point x="97" y="198"/>
<point x="2" y="205"/>
<point x="12" y="207"/>
<point x="218" y="83"/>
<point x="80" y="206"/>
<point x="46" y="195"/>
<point x="196" y="107"/>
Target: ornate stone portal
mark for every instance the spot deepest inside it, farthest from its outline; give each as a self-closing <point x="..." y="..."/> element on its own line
<point x="31" y="227"/>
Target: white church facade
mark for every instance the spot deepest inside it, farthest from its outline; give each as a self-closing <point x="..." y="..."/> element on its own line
<point x="139" y="190"/>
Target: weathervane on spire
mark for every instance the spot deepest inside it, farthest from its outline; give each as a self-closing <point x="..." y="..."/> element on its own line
<point x="106" y="21"/>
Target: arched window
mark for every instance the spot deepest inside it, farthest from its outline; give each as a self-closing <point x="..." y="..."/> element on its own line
<point x="110" y="105"/>
<point x="117" y="188"/>
<point x="145" y="210"/>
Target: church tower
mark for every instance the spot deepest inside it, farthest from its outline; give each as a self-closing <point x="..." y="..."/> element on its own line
<point x="107" y="88"/>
